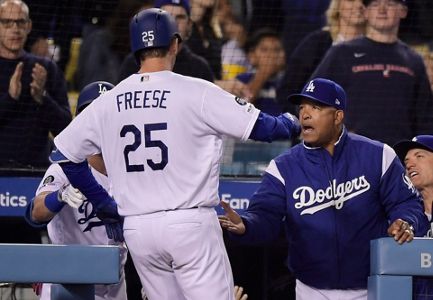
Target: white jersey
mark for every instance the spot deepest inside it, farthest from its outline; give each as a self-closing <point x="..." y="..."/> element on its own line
<point x="161" y="138"/>
<point x="73" y="226"/>
<point x="80" y="226"/>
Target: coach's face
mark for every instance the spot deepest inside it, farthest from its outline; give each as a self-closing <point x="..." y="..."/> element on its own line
<point x="321" y="124"/>
<point x="419" y="168"/>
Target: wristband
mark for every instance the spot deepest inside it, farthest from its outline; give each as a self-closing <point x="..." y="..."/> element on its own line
<point x="52" y="202"/>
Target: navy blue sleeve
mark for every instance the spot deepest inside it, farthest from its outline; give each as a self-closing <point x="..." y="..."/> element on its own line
<point x="265" y="214"/>
<point x="80" y="176"/>
<point x="269" y="128"/>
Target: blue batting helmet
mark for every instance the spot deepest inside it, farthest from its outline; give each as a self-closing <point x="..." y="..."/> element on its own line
<point x="90" y="92"/>
<point x="152" y="28"/>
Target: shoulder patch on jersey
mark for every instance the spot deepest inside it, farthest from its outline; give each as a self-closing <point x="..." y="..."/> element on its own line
<point x="48" y="179"/>
<point x="240" y="101"/>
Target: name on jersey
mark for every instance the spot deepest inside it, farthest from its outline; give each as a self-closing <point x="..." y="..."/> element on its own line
<point x="311" y="201"/>
<point x="142" y="99"/>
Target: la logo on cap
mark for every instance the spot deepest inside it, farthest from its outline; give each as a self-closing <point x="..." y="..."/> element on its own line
<point x="310" y="88"/>
<point x="337" y="101"/>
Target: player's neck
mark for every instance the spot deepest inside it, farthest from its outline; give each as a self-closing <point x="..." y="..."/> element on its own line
<point x="155" y="64"/>
<point x="387" y="37"/>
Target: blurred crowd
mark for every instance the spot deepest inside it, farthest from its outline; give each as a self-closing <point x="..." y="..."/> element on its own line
<point x="259" y="50"/>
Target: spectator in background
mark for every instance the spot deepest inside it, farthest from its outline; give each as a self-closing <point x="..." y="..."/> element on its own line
<point x="385" y="79"/>
<point x="33" y="96"/>
<point x="417" y="156"/>
<point x="103" y="49"/>
<point x="428" y="61"/>
<point x="206" y="35"/>
<point x="346" y="21"/>
<point x="233" y="56"/>
<point x="266" y="54"/>
<point x="300" y="18"/>
<point x="187" y="63"/>
<point x="334" y="193"/>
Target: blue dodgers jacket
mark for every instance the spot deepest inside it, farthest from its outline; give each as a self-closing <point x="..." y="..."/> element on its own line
<point x="332" y="206"/>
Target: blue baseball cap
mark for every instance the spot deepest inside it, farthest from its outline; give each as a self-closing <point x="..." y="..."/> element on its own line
<point x="90" y="92"/>
<point x="420" y="141"/>
<point x="324" y="91"/>
<point x="183" y="3"/>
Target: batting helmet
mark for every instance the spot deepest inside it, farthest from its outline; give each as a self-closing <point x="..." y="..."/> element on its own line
<point x="90" y="92"/>
<point x="152" y="28"/>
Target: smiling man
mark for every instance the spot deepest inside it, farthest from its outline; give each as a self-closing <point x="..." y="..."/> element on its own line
<point x="384" y="78"/>
<point x="335" y="192"/>
<point x="417" y="156"/>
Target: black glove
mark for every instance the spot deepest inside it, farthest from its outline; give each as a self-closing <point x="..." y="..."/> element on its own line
<point x="113" y="222"/>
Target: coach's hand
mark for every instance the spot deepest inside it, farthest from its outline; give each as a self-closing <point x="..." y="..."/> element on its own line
<point x="231" y="221"/>
<point x="401" y="231"/>
<point x="113" y="222"/>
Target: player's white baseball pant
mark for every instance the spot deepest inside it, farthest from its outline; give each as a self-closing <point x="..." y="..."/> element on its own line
<point x="180" y="254"/>
<point x="306" y="292"/>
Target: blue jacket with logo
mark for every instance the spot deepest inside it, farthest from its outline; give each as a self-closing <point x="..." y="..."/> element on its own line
<point x="332" y="206"/>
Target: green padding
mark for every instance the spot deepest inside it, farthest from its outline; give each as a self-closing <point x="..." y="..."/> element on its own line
<point x="77" y="264"/>
<point x="414" y="258"/>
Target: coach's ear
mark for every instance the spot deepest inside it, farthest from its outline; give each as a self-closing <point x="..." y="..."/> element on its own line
<point x="338" y="117"/>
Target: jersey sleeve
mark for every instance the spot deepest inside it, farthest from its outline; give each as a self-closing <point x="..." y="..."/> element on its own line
<point x="53" y="180"/>
<point x="80" y="139"/>
<point x="227" y="114"/>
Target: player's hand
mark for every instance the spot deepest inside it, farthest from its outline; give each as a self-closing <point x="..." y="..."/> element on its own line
<point x="37" y="86"/>
<point x="238" y="293"/>
<point x="71" y="196"/>
<point x="401" y="231"/>
<point x="231" y="221"/>
<point x="294" y="124"/>
<point x="15" y="85"/>
<point x="113" y="222"/>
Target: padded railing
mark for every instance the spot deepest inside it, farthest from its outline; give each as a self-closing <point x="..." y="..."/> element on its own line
<point x="73" y="268"/>
<point x="392" y="267"/>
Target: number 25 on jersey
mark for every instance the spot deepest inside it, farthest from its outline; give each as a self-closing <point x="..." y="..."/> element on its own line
<point x="148" y="143"/>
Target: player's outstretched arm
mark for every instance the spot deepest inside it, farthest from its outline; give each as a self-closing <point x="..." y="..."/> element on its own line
<point x="80" y="176"/>
<point x="269" y="128"/>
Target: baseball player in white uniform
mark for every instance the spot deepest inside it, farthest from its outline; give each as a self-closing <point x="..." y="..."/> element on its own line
<point x="160" y="134"/>
<point x="76" y="222"/>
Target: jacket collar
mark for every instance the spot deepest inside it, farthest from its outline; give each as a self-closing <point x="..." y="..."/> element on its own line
<point x="338" y="145"/>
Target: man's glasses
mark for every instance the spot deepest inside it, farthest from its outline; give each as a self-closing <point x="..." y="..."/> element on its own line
<point x="9" y="23"/>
